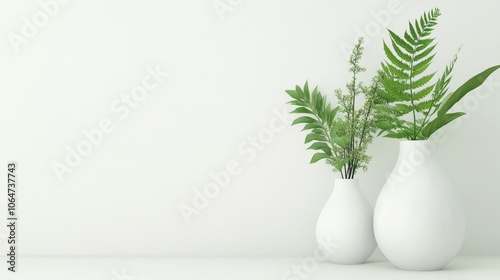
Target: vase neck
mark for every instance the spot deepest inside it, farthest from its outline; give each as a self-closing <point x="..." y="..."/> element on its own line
<point x="416" y="148"/>
<point x="346" y="183"/>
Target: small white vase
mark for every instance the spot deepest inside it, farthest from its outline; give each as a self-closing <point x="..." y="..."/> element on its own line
<point x="345" y="226"/>
<point x="419" y="221"/>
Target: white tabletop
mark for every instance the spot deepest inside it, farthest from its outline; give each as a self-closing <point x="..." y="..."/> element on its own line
<point x="237" y="268"/>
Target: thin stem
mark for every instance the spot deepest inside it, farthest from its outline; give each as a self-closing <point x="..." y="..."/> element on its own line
<point x="352" y="121"/>
<point x="426" y="115"/>
<point x="412" y="102"/>
<point x="366" y="117"/>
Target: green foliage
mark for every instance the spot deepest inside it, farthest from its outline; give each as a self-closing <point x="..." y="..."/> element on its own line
<point x="408" y="90"/>
<point x="339" y="134"/>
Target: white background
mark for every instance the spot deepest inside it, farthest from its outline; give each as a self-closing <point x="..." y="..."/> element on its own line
<point x="227" y="82"/>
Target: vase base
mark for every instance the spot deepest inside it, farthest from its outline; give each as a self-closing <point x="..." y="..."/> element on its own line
<point x="430" y="268"/>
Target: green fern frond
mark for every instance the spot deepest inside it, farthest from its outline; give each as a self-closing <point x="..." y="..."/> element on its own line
<point x="408" y="87"/>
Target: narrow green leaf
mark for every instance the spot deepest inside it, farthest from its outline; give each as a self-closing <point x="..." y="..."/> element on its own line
<point x="468" y="86"/>
<point x="314" y="92"/>
<point x="293" y="94"/>
<point x="319" y="131"/>
<point x="321" y="146"/>
<point x="303" y="120"/>
<point x="299" y="92"/>
<point x="306" y="89"/>
<point x="318" y="105"/>
<point x="318" y="156"/>
<point x="396" y="135"/>
<point x="312" y="126"/>
<point x="301" y="110"/>
<point x="314" y="96"/>
<point x="439" y="122"/>
<point x="314" y="137"/>
<point x="331" y="113"/>
<point x="297" y="103"/>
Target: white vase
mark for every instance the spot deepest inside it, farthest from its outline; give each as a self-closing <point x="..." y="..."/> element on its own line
<point x="419" y="221"/>
<point x="345" y="226"/>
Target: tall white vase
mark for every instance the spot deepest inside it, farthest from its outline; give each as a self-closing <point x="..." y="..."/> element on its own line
<point x="419" y="222"/>
<point x="345" y="226"/>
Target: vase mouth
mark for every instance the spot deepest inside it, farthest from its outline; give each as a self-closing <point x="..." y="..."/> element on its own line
<point x="340" y="181"/>
<point x="415" y="141"/>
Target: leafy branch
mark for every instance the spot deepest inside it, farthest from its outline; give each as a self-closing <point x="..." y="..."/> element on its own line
<point x="412" y="106"/>
<point x="341" y="141"/>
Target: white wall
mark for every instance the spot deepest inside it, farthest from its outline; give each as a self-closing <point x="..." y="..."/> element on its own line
<point x="227" y="81"/>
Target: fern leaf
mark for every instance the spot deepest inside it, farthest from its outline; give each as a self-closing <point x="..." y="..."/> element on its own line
<point x="417" y="27"/>
<point x="422" y="81"/>
<point x="402" y="109"/>
<point x="424" y="53"/>
<point x="424" y="105"/>
<point x="400" y="42"/>
<point x="401" y="54"/>
<point x="414" y="36"/>
<point x="423" y="93"/>
<point x="420" y="67"/>
<point x="409" y="38"/>
<point x="397" y="72"/>
<point x="423" y="43"/>
<point x="392" y="58"/>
